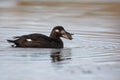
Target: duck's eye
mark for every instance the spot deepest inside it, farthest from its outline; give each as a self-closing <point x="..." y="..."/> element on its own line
<point x="56" y="30"/>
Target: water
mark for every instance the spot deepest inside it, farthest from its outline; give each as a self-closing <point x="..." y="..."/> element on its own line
<point x="93" y="54"/>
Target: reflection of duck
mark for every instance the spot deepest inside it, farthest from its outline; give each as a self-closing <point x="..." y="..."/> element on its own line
<point x="61" y="55"/>
<point x="56" y="57"/>
<point x="43" y="41"/>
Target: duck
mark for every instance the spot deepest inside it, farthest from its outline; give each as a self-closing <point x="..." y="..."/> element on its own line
<point x="37" y="40"/>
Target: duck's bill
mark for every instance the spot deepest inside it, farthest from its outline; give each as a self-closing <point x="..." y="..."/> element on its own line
<point x="67" y="35"/>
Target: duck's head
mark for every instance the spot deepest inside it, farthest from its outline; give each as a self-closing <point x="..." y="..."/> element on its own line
<point x="59" y="31"/>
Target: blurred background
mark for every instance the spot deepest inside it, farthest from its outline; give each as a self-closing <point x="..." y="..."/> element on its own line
<point x="98" y="14"/>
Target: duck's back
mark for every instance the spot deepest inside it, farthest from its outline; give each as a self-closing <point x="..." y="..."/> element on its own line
<point x="38" y="40"/>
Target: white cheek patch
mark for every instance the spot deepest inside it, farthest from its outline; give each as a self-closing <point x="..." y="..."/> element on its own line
<point x="56" y="30"/>
<point x="29" y="40"/>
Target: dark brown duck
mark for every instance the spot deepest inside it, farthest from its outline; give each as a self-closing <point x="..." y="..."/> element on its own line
<point x="43" y="41"/>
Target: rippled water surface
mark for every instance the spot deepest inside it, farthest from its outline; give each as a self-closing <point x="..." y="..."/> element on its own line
<point x="93" y="54"/>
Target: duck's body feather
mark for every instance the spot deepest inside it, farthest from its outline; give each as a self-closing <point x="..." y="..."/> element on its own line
<point x="38" y="41"/>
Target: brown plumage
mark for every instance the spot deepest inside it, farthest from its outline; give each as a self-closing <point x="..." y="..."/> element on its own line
<point x="42" y="41"/>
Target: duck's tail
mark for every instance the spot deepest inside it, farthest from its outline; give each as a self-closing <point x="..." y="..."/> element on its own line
<point x="11" y="41"/>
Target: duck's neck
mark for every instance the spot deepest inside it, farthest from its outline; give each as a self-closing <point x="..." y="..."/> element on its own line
<point x="55" y="36"/>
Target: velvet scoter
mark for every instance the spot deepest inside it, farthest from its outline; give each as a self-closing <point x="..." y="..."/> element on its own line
<point x="42" y="41"/>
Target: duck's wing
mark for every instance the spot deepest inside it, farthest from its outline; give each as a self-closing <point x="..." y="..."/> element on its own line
<point x="35" y="40"/>
<point x="39" y="37"/>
